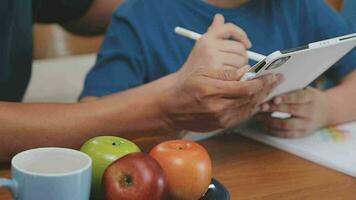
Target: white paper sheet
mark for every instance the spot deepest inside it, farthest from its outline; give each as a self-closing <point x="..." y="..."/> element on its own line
<point x="333" y="147"/>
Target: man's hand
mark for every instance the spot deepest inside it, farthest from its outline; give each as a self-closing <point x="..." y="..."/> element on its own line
<point x="309" y="110"/>
<point x="216" y="49"/>
<point x="207" y="94"/>
<point x="208" y="99"/>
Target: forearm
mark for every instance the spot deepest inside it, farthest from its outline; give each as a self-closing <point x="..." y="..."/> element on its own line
<point x="130" y="114"/>
<point x="341" y="101"/>
<point x="138" y="111"/>
<point x="96" y="19"/>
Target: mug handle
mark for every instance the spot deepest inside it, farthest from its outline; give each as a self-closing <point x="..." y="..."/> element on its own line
<point x="9" y="183"/>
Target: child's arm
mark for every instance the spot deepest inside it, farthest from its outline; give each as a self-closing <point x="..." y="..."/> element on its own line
<point x="311" y="109"/>
<point x="342" y="100"/>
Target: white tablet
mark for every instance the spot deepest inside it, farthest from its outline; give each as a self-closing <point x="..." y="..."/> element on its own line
<point x="302" y="65"/>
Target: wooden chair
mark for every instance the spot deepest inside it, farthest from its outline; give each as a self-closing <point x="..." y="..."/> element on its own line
<point x="53" y="41"/>
<point x="337" y="4"/>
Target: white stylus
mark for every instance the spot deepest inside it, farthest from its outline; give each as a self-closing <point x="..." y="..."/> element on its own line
<point x="195" y="36"/>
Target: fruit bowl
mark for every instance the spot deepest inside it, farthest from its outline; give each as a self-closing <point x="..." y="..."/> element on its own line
<point x="216" y="191"/>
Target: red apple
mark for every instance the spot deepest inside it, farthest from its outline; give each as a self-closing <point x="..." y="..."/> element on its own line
<point x="136" y="176"/>
<point x="187" y="166"/>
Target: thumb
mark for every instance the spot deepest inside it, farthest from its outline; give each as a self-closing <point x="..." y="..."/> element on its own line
<point x="230" y="74"/>
<point x="218" y="21"/>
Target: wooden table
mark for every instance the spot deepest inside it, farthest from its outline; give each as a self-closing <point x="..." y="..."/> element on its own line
<point x="251" y="170"/>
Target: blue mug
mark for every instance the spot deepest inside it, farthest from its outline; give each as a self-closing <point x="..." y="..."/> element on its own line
<point x="50" y="173"/>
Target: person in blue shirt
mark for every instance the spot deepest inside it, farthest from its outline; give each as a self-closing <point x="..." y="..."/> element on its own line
<point x="141" y="46"/>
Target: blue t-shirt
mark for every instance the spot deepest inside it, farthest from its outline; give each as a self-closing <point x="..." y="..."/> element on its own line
<point x="141" y="46"/>
<point x="349" y="10"/>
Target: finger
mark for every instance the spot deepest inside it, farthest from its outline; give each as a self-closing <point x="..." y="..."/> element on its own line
<point x="283" y="133"/>
<point x="232" y="46"/>
<point x="218" y="20"/>
<point x="297" y="110"/>
<point x="265" y="107"/>
<point x="233" y="60"/>
<point x="222" y="82"/>
<point x="228" y="73"/>
<point x="235" y="116"/>
<point x="229" y="70"/>
<point x="231" y="105"/>
<point x="231" y="31"/>
<point x="290" y="124"/>
<point x="269" y="82"/>
<point x="297" y="97"/>
<point x="237" y="89"/>
<point x="236" y="104"/>
<point x="225" y="108"/>
<point x="277" y="100"/>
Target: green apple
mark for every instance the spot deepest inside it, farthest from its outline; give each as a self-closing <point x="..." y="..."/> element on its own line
<point x="104" y="150"/>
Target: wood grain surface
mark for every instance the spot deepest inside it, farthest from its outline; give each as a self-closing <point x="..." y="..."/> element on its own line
<point x="254" y="171"/>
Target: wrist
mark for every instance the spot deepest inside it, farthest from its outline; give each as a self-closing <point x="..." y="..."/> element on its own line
<point x="167" y="100"/>
<point x="331" y="113"/>
<point x="325" y="113"/>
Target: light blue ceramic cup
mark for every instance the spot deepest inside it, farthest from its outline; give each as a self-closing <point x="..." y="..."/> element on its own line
<point x="50" y="174"/>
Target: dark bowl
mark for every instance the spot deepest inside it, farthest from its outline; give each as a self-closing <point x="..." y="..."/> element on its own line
<point x="216" y="191"/>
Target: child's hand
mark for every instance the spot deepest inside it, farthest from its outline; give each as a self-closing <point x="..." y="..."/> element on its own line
<point x="308" y="108"/>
